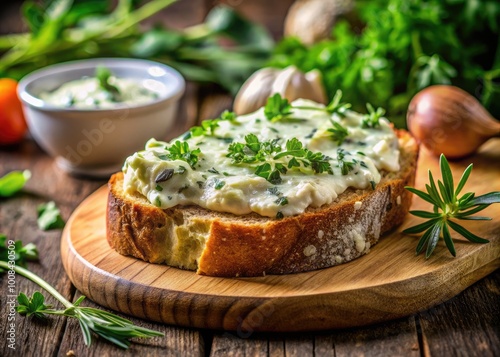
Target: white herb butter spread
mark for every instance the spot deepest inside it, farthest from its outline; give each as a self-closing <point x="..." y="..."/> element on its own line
<point x="87" y="93"/>
<point x="220" y="181"/>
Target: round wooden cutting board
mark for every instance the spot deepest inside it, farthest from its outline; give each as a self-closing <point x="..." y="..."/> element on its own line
<point x="388" y="283"/>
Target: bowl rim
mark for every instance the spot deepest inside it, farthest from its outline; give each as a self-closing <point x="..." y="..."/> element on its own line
<point x="67" y="66"/>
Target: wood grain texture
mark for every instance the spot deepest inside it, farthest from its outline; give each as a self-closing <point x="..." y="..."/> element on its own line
<point x="348" y="295"/>
<point x="467" y="325"/>
<point x="395" y="338"/>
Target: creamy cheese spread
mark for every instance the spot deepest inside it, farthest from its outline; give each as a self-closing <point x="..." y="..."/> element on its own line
<point x="219" y="182"/>
<point x="87" y="93"/>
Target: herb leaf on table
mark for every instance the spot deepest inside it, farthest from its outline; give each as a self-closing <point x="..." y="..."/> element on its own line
<point x="22" y="253"/>
<point x="13" y="182"/>
<point x="49" y="216"/>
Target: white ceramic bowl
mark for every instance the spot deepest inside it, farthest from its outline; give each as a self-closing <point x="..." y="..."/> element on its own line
<point x="95" y="142"/>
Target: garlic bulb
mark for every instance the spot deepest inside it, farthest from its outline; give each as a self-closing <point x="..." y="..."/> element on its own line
<point x="312" y="20"/>
<point x="290" y="83"/>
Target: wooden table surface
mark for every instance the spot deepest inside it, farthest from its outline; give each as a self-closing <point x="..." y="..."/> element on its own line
<point x="466" y="325"/>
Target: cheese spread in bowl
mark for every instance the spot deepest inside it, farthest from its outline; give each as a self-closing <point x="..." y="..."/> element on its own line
<point x="90" y="126"/>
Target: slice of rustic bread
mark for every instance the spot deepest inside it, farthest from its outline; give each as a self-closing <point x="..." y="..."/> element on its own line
<point x="227" y="245"/>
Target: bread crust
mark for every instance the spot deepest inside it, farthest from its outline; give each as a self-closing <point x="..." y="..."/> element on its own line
<point x="226" y="245"/>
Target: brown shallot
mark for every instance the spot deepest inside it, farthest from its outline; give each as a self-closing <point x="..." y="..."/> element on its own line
<point x="448" y="120"/>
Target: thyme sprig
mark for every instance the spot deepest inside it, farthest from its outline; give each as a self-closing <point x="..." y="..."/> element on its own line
<point x="270" y="159"/>
<point x="448" y="205"/>
<point x="107" y="325"/>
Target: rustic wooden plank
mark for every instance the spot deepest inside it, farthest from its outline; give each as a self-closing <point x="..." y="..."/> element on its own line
<point x="234" y="345"/>
<point x="394" y="338"/>
<point x="466" y="325"/>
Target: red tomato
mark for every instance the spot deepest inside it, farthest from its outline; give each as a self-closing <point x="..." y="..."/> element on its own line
<point x="12" y="123"/>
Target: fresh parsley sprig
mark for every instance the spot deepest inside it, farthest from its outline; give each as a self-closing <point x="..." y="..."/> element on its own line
<point x="107" y="325"/>
<point x="180" y="150"/>
<point x="277" y="108"/>
<point x="448" y="205"/>
<point x="277" y="160"/>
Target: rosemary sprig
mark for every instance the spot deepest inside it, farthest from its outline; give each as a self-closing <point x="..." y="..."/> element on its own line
<point x="448" y="205"/>
<point x="107" y="325"/>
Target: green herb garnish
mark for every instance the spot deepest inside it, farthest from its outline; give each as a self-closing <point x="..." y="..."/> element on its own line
<point x="103" y="75"/>
<point x="208" y="126"/>
<point x="274" y="191"/>
<point x="345" y="166"/>
<point x="447" y="206"/>
<point x="338" y="132"/>
<point x="22" y="253"/>
<point x="281" y="201"/>
<point x="277" y="108"/>
<point x="336" y="107"/>
<point x="181" y="151"/>
<point x="49" y="216"/>
<point x="218" y="184"/>
<point x="278" y="160"/>
<point x="109" y="326"/>
<point x="372" y="119"/>
<point x="164" y="175"/>
<point x="13" y="182"/>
